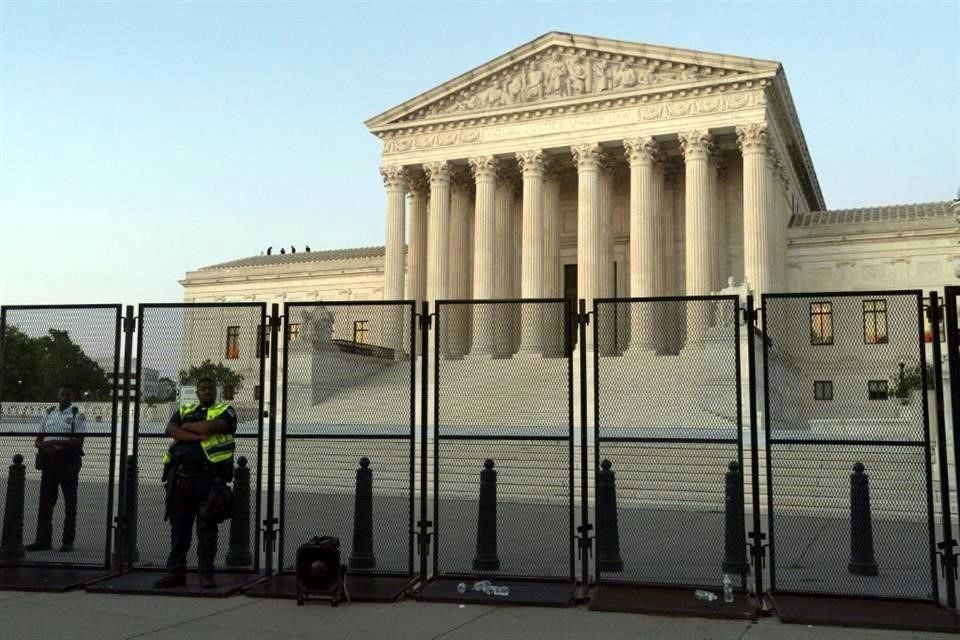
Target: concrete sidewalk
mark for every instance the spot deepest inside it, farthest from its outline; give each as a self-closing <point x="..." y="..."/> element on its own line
<point x="81" y="616"/>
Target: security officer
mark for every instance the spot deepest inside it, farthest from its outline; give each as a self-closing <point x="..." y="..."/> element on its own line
<point x="201" y="455"/>
<point x="59" y="452"/>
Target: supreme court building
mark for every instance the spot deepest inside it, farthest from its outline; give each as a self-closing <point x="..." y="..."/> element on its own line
<point x="582" y="167"/>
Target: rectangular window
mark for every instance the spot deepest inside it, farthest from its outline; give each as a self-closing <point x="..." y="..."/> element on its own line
<point x="263" y="348"/>
<point x="823" y="390"/>
<point x="233" y="343"/>
<point x="360" y="331"/>
<point x="256" y="391"/>
<point x="293" y="331"/>
<point x="874" y="322"/>
<point x="877" y="389"/>
<point x="821" y="323"/>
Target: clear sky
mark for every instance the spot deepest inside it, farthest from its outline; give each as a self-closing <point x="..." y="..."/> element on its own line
<point x="141" y="140"/>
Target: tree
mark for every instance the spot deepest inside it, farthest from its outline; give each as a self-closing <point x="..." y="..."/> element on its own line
<point x="35" y="368"/>
<point x="225" y="377"/>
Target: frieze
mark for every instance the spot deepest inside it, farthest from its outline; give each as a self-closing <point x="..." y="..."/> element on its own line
<point x="561" y="73"/>
<point x="645" y="112"/>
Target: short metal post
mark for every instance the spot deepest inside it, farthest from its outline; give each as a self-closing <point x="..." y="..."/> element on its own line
<point x="735" y="536"/>
<point x="608" y="533"/>
<point x="238" y="553"/>
<point x="862" y="562"/>
<point x="11" y="546"/>
<point x="361" y="555"/>
<point x="486" y="558"/>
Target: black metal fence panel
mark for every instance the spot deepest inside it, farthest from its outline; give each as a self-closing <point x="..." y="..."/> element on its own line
<point x="177" y="345"/>
<point x="348" y="407"/>
<point x="851" y="502"/>
<point x="43" y="349"/>
<point x="667" y="399"/>
<point x="503" y="393"/>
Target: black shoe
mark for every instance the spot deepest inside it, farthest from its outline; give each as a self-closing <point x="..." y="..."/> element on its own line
<point x="39" y="546"/>
<point x="207" y="581"/>
<point x="66" y="547"/>
<point x="171" y="580"/>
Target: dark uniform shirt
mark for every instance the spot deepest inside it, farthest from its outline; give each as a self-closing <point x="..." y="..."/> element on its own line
<point x="192" y="452"/>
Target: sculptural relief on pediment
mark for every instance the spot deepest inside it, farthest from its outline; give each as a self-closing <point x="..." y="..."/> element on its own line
<point x="561" y="73"/>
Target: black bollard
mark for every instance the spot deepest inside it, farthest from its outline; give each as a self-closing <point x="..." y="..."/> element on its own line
<point x="130" y="543"/>
<point x="608" y="533"/>
<point x="361" y="556"/>
<point x="486" y="558"/>
<point x="11" y="546"/>
<point x="735" y="534"/>
<point x="238" y="553"/>
<point x="862" y="562"/>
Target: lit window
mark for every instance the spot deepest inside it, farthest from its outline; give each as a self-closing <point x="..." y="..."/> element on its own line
<point x="877" y="389"/>
<point x="928" y="325"/>
<point x="293" y="331"/>
<point x="360" y="331"/>
<point x="233" y="343"/>
<point x="875" y="322"/>
<point x="823" y="390"/>
<point x="821" y="323"/>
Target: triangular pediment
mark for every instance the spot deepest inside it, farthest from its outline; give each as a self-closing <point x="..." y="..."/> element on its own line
<point x="560" y="67"/>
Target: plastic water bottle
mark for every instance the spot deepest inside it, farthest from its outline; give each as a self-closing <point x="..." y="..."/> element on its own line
<point x="727" y="588"/>
<point x="481" y="586"/>
<point x="703" y="594"/>
<point x="461" y="588"/>
<point x="500" y="590"/>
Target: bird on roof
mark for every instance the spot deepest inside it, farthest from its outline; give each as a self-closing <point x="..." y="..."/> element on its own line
<point x="269" y="250"/>
<point x="307" y="248"/>
<point x="282" y="251"/>
<point x="293" y="249"/>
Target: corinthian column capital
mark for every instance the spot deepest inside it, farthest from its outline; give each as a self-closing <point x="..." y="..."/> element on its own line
<point x="438" y="171"/>
<point x="752" y="137"/>
<point x="587" y="156"/>
<point x="417" y="183"/>
<point x="531" y="162"/>
<point x="394" y="176"/>
<point x="642" y="149"/>
<point x="484" y="167"/>
<point x="695" y="144"/>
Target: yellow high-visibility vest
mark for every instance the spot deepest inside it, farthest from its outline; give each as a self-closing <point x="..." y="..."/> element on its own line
<point x="218" y="447"/>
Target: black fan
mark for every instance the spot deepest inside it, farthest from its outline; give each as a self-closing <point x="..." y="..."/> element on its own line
<point x="319" y="572"/>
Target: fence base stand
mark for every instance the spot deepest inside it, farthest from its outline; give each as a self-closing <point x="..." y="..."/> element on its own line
<point x="48" y="578"/>
<point x="522" y="592"/>
<point x="140" y="581"/>
<point x="362" y="588"/>
<point x="670" y="601"/>
<point x="862" y="612"/>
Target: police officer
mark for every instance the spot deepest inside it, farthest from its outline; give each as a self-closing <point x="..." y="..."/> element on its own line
<point x="201" y="455"/>
<point x="59" y="451"/>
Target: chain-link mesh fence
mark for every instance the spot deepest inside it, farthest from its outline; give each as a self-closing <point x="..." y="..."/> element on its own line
<point x="178" y="345"/>
<point x="846" y="382"/>
<point x="502" y="392"/>
<point x="348" y="394"/>
<point x="46" y="351"/>
<point x="668" y="420"/>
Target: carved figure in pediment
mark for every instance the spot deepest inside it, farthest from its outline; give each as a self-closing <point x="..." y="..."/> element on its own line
<point x="577" y="81"/>
<point x="600" y="80"/>
<point x="514" y="92"/>
<point x="535" y="83"/>
<point x="646" y="76"/>
<point x="556" y="75"/>
<point x="626" y="76"/>
<point x="690" y="73"/>
<point x="493" y="96"/>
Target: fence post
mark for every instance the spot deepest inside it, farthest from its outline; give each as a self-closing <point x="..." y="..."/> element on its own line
<point x="862" y="560"/>
<point x="11" y="547"/>
<point x="238" y="554"/>
<point x="361" y="555"/>
<point x="735" y="536"/>
<point x="608" y="533"/>
<point x="131" y="554"/>
<point x="486" y="558"/>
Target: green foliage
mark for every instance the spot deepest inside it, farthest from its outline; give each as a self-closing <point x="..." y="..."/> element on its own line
<point x="909" y="379"/>
<point x="224" y="376"/>
<point x="35" y="368"/>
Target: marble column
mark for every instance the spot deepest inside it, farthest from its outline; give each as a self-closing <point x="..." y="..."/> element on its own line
<point x="418" y="188"/>
<point x="438" y="233"/>
<point x="531" y="282"/>
<point x="393" y="267"/>
<point x="553" y="320"/>
<point x="715" y="168"/>
<point x="485" y="179"/>
<point x="458" y="284"/>
<point x="699" y="231"/>
<point x="503" y="264"/>
<point x="752" y="139"/>
<point x="589" y="234"/>
<point x="644" y="252"/>
<point x="663" y="269"/>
